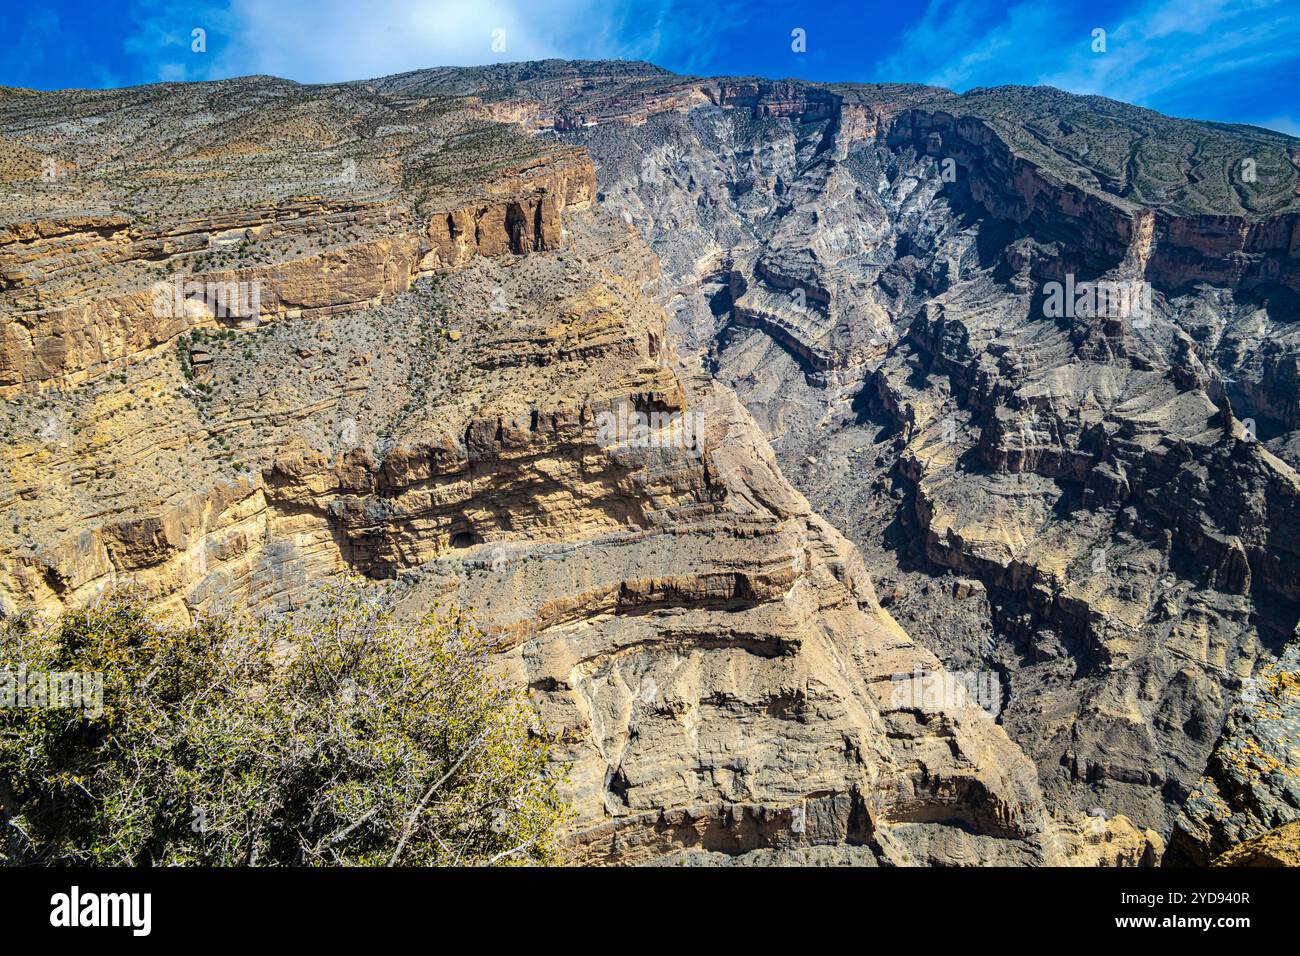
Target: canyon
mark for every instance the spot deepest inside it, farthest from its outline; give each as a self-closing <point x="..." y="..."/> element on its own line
<point x="877" y="466"/>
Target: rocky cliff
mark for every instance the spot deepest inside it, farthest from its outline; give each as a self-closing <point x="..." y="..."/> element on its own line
<point x="1100" y="508"/>
<point x="256" y="334"/>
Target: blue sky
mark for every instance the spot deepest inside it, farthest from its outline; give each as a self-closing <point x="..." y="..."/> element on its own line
<point x="1230" y="60"/>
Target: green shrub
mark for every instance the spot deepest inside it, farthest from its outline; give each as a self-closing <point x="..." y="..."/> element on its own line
<point x="337" y="736"/>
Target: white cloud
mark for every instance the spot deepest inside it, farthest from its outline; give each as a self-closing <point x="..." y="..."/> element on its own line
<point x="334" y="40"/>
<point x="172" y="72"/>
<point x="346" y="40"/>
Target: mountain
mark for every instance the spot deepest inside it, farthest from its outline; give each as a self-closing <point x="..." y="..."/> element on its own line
<point x="256" y="334"/>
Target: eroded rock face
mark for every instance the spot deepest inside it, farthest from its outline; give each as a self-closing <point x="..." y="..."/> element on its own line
<point x="1250" y="793"/>
<point x="1280" y="847"/>
<point x="1102" y="510"/>
<point x="427" y="400"/>
<point x="316" y="204"/>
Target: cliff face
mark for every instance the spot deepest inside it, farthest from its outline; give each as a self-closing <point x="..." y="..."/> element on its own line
<point x="1245" y="810"/>
<point x="1171" y="245"/>
<point x="438" y="386"/>
<point x="86" y="292"/>
<point x="1100" y="509"/>
<point x="467" y="374"/>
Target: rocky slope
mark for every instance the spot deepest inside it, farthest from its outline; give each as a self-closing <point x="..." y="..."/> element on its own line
<point x="1099" y="508"/>
<point x="257" y="334"/>
<point x="1280" y="847"/>
<point x="1246" y="803"/>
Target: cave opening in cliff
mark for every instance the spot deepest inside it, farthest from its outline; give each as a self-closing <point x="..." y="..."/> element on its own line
<point x="517" y="228"/>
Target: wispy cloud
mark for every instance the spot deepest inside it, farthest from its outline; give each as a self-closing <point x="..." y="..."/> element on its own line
<point x="1176" y="55"/>
<point x="345" y="40"/>
<point x="1170" y="45"/>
